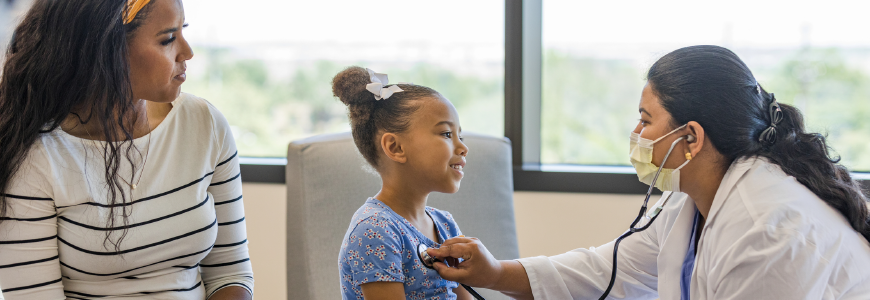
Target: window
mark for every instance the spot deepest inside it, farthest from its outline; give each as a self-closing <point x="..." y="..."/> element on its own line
<point x="561" y="78"/>
<point x="268" y="66"/>
<point x="814" y="55"/>
<point x="574" y="71"/>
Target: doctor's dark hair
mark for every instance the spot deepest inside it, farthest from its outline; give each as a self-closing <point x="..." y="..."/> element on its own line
<point x="712" y="86"/>
<point x="65" y="57"/>
<point x="370" y="118"/>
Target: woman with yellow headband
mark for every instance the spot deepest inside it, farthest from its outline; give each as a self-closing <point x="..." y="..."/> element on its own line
<point x="113" y="183"/>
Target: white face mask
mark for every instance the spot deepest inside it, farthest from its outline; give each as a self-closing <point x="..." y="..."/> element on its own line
<point x="641" y="156"/>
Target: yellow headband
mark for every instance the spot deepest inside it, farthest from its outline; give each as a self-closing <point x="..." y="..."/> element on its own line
<point x="133" y="8"/>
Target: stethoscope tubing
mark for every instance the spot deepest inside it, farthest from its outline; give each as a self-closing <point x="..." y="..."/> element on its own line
<point x="427" y="261"/>
<point x="632" y="229"/>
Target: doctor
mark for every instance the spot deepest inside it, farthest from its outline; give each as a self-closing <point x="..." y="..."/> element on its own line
<point x="754" y="207"/>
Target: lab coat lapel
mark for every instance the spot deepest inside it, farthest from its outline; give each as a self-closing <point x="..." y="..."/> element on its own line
<point x="729" y="181"/>
<point x="673" y="251"/>
<point x="732" y="176"/>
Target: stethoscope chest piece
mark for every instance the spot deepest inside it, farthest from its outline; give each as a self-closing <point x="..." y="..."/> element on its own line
<point x="429" y="261"/>
<point x="426" y="259"/>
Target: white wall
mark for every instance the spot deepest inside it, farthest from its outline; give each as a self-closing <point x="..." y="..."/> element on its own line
<point x="547" y="224"/>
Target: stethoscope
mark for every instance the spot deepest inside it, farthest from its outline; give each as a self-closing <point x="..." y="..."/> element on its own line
<point x="428" y="261"/>
<point x="653" y="214"/>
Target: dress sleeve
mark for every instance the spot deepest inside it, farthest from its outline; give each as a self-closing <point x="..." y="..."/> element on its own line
<point x="374" y="251"/>
<point x="29" y="262"/>
<point x="771" y="263"/>
<point x="228" y="263"/>
<point x="585" y="273"/>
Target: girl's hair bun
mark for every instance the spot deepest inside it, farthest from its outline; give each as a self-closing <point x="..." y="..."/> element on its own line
<point x="349" y="86"/>
<point x="370" y="117"/>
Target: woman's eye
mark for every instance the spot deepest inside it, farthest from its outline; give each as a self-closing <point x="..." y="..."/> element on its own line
<point x="448" y="134"/>
<point x="169" y="41"/>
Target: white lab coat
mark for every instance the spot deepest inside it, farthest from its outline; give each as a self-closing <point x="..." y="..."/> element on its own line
<point x="766" y="237"/>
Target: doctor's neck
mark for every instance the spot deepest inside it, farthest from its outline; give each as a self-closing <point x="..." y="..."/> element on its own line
<point x="704" y="177"/>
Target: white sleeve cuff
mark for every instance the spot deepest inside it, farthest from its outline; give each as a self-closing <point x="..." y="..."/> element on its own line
<point x="545" y="280"/>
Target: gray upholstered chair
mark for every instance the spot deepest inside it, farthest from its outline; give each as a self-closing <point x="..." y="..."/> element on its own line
<point x="328" y="180"/>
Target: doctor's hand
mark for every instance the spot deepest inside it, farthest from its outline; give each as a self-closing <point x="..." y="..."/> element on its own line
<point x="480" y="269"/>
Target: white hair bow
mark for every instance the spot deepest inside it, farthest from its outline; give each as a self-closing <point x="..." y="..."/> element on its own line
<point x="377" y="86"/>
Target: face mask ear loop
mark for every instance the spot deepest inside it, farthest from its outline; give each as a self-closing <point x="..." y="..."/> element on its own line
<point x="655" y="178"/>
<point x="683" y="165"/>
<point x="670" y="133"/>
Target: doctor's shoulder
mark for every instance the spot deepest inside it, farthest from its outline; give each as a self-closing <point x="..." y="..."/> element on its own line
<point x="778" y="204"/>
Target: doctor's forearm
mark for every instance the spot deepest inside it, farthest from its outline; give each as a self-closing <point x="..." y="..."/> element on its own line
<point x="513" y="281"/>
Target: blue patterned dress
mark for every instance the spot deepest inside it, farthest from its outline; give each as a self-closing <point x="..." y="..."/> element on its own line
<point x="380" y="245"/>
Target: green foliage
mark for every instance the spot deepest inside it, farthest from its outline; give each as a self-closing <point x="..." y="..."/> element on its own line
<point x="834" y="97"/>
<point x="589" y="105"/>
<point x="268" y="111"/>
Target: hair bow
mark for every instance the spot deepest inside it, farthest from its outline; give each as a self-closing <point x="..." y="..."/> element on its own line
<point x="768" y="136"/>
<point x="377" y="87"/>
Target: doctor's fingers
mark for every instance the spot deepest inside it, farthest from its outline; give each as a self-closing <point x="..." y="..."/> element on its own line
<point x="480" y="270"/>
<point x="459" y="239"/>
<point x="463" y="250"/>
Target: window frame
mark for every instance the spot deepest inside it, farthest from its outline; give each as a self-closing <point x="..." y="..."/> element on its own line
<point x="522" y="116"/>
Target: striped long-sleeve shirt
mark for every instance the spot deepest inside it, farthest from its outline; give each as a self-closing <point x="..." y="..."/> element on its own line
<point x="186" y="227"/>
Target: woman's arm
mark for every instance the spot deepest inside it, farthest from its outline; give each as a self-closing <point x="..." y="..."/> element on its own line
<point x="228" y="264"/>
<point x="383" y="290"/>
<point x="29" y="261"/>
<point x="232" y="293"/>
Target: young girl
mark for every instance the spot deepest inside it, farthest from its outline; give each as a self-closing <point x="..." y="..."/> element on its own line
<point x="410" y="134"/>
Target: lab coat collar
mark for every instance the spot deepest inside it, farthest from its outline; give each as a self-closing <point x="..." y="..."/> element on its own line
<point x="732" y="176"/>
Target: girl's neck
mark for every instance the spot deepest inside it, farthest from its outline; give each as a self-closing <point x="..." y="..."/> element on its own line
<point x="404" y="200"/>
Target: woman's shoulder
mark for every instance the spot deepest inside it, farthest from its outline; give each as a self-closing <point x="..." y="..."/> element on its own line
<point x="190" y="105"/>
<point x="779" y="202"/>
<point x="34" y="172"/>
<point x="198" y="116"/>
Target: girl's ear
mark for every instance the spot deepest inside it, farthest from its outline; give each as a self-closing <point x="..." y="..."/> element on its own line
<point x="393" y="148"/>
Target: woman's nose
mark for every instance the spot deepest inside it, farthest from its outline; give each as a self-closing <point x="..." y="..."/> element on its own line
<point x="186" y="51"/>
<point x="638" y="128"/>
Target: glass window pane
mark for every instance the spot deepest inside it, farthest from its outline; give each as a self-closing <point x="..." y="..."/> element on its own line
<point x="268" y="64"/>
<point x="815" y="55"/>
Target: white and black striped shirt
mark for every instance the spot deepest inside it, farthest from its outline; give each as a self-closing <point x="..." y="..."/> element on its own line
<point x="186" y="236"/>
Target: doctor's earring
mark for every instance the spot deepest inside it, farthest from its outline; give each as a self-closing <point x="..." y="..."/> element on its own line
<point x="691" y="139"/>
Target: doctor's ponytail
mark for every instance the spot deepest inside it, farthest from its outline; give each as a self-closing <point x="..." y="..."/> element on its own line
<point x="806" y="156"/>
<point x="712" y="86"/>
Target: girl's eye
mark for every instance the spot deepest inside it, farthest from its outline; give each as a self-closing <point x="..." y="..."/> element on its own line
<point x="448" y="134"/>
<point x="169" y="41"/>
